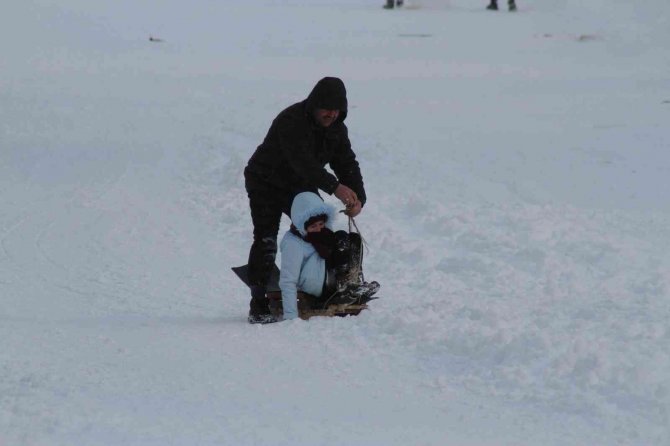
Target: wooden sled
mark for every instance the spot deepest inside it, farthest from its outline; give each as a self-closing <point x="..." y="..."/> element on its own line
<point x="308" y="305"/>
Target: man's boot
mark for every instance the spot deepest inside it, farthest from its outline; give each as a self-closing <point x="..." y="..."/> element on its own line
<point x="390" y="4"/>
<point x="261" y="261"/>
<point x="493" y="6"/>
<point x="259" y="307"/>
<point x="512" y="5"/>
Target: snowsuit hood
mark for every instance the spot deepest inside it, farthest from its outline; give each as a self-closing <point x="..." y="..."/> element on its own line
<point x="307" y="205"/>
<point x="330" y="94"/>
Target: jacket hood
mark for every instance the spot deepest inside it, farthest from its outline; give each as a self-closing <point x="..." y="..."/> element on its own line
<point x="330" y="94"/>
<point x="306" y="205"/>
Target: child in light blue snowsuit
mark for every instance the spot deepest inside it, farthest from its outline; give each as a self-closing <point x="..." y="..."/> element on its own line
<point x="317" y="261"/>
<point x="302" y="268"/>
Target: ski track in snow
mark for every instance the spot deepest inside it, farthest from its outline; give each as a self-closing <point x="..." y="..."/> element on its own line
<point x="516" y="221"/>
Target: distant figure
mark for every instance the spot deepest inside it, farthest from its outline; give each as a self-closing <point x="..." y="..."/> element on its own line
<point x="390" y="4"/>
<point x="493" y="6"/>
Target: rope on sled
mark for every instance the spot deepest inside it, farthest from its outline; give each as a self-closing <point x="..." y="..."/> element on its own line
<point x="352" y="274"/>
<point x="356" y="273"/>
<point x="352" y="224"/>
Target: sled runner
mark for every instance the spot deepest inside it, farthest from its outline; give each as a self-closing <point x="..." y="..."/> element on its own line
<point x="308" y="305"/>
<point x="273" y="284"/>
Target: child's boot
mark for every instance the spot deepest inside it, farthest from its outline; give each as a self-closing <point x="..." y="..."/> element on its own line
<point x="364" y="291"/>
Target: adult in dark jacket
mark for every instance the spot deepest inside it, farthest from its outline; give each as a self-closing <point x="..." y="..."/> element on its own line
<point x="302" y="139"/>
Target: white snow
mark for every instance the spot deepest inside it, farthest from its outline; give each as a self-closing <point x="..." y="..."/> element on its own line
<point x="518" y="173"/>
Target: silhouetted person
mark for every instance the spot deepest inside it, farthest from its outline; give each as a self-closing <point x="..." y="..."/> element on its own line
<point x="493" y="6"/>
<point x="390" y="4"/>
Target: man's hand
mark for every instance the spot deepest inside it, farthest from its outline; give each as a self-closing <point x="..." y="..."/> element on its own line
<point x="346" y="195"/>
<point x="354" y="209"/>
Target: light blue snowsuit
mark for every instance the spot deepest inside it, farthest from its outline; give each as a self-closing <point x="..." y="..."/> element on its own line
<point x="302" y="268"/>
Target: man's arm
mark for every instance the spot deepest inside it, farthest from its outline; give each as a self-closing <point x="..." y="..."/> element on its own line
<point x="347" y="169"/>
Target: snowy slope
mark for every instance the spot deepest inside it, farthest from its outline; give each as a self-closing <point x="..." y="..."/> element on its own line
<point x="517" y="168"/>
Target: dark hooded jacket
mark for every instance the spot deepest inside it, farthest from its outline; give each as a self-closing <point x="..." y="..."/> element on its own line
<point x="296" y="149"/>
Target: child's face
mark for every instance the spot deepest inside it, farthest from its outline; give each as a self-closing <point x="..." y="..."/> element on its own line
<point x="317" y="226"/>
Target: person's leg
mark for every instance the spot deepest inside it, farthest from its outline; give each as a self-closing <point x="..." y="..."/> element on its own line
<point x="512" y="5"/>
<point x="341" y="259"/>
<point x="493" y="5"/>
<point x="266" y="211"/>
<point x="261" y="258"/>
<point x="345" y="282"/>
<point x="356" y="257"/>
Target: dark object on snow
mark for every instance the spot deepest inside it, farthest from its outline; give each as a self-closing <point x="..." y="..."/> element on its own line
<point x="422" y="35"/>
<point x="273" y="283"/>
<point x="154" y="39"/>
<point x="586" y="37"/>
<point x="262" y="317"/>
<point x="259" y="306"/>
<point x="493" y="6"/>
<point x="390" y="4"/>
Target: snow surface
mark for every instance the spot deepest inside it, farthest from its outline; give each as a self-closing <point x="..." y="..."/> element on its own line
<point x="517" y="167"/>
